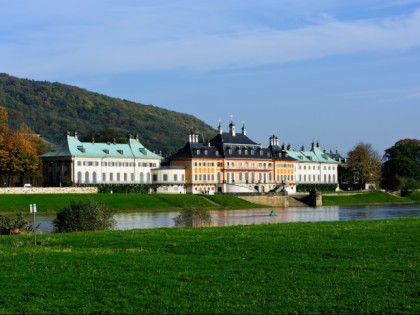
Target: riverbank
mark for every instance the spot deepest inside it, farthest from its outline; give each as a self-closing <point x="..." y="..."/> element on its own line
<point x="355" y="267"/>
<point x="123" y="202"/>
<point x="51" y="203"/>
<point x="367" y="197"/>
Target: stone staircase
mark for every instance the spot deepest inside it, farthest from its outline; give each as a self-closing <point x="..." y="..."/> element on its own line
<point x="295" y="202"/>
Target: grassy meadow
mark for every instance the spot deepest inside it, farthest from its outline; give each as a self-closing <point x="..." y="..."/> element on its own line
<point x="122" y="202"/>
<point x="355" y="267"/>
<point x="368" y="197"/>
<point x="161" y="202"/>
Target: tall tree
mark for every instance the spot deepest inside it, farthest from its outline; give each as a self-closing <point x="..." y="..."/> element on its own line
<point x="401" y="169"/>
<point x="365" y="163"/>
<point x="18" y="150"/>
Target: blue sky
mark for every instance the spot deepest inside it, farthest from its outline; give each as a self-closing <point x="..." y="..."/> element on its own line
<point x="334" y="71"/>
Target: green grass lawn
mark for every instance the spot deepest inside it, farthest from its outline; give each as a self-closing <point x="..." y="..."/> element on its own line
<point x="162" y="202"/>
<point x="232" y="202"/>
<point x="362" y="198"/>
<point x="55" y="202"/>
<point x="346" y="267"/>
<point x="121" y="202"/>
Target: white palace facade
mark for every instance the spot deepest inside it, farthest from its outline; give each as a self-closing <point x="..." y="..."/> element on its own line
<point x="99" y="163"/>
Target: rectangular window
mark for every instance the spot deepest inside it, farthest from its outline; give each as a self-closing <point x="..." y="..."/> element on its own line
<point x="175" y="177"/>
<point x="132" y="177"/>
<point x="165" y="177"/>
<point x="155" y="178"/>
<point x="79" y="163"/>
<point x="111" y="177"/>
<point x="118" y="177"/>
<point x="104" y="177"/>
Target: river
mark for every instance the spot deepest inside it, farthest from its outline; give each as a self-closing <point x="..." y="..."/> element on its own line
<point x="146" y="220"/>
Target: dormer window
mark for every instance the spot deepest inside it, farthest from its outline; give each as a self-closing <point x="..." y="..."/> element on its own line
<point x="198" y="152"/>
<point x="106" y="151"/>
<point x="120" y="152"/>
<point x="206" y="152"/>
<point x="252" y="152"/>
<point x="81" y="149"/>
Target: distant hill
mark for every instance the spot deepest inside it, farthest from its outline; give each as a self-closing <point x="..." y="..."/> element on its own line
<point x="52" y="109"/>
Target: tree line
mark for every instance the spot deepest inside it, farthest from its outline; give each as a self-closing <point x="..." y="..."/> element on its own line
<point x="398" y="169"/>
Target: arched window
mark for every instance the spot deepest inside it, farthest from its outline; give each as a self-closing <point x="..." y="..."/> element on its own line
<point x="79" y="177"/>
<point x="94" y="177"/>
<point x="87" y="177"/>
<point x="148" y="177"/>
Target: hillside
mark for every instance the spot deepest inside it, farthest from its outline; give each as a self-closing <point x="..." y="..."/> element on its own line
<point x="51" y="109"/>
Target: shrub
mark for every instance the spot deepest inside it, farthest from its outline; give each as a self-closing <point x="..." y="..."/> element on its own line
<point x="19" y="225"/>
<point x="123" y="188"/>
<point x="319" y="187"/>
<point x="83" y="215"/>
<point x="193" y="216"/>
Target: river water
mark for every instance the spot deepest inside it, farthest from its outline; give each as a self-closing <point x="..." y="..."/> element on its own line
<point x="146" y="220"/>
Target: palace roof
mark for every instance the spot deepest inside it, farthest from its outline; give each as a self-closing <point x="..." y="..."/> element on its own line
<point x="75" y="148"/>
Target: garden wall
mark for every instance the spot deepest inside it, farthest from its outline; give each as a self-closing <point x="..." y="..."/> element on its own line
<point x="49" y="190"/>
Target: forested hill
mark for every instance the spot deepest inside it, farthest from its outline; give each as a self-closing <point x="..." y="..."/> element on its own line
<point x="51" y="109"/>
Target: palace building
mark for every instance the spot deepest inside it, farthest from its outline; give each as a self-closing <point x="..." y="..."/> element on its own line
<point x="99" y="163"/>
<point x="232" y="163"/>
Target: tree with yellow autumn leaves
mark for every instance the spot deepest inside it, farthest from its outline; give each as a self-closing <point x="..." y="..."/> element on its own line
<point x="19" y="151"/>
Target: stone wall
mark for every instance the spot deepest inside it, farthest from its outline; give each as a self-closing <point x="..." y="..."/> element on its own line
<point x="276" y="201"/>
<point x="49" y="190"/>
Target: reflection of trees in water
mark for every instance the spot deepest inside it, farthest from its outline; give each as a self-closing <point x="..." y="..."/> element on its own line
<point x="193" y="217"/>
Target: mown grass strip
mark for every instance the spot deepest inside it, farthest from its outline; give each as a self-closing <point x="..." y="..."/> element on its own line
<point x="356" y="267"/>
<point x="362" y="198"/>
<point x="232" y="202"/>
<point x="55" y="202"/>
<point x="118" y="202"/>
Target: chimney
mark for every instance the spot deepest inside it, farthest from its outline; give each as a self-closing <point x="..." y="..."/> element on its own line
<point x="75" y="134"/>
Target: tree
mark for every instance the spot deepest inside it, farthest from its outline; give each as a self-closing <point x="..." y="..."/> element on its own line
<point x="84" y="215"/>
<point x="365" y="163"/>
<point x="19" y="150"/>
<point x="193" y="216"/>
<point x="401" y="168"/>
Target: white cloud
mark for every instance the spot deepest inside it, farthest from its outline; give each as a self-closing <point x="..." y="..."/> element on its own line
<point x="142" y="39"/>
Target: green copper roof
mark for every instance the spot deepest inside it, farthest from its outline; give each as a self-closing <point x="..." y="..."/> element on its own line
<point x="74" y="147"/>
<point x="314" y="155"/>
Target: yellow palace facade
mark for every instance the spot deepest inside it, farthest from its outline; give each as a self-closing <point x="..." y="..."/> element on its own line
<point x="233" y="163"/>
